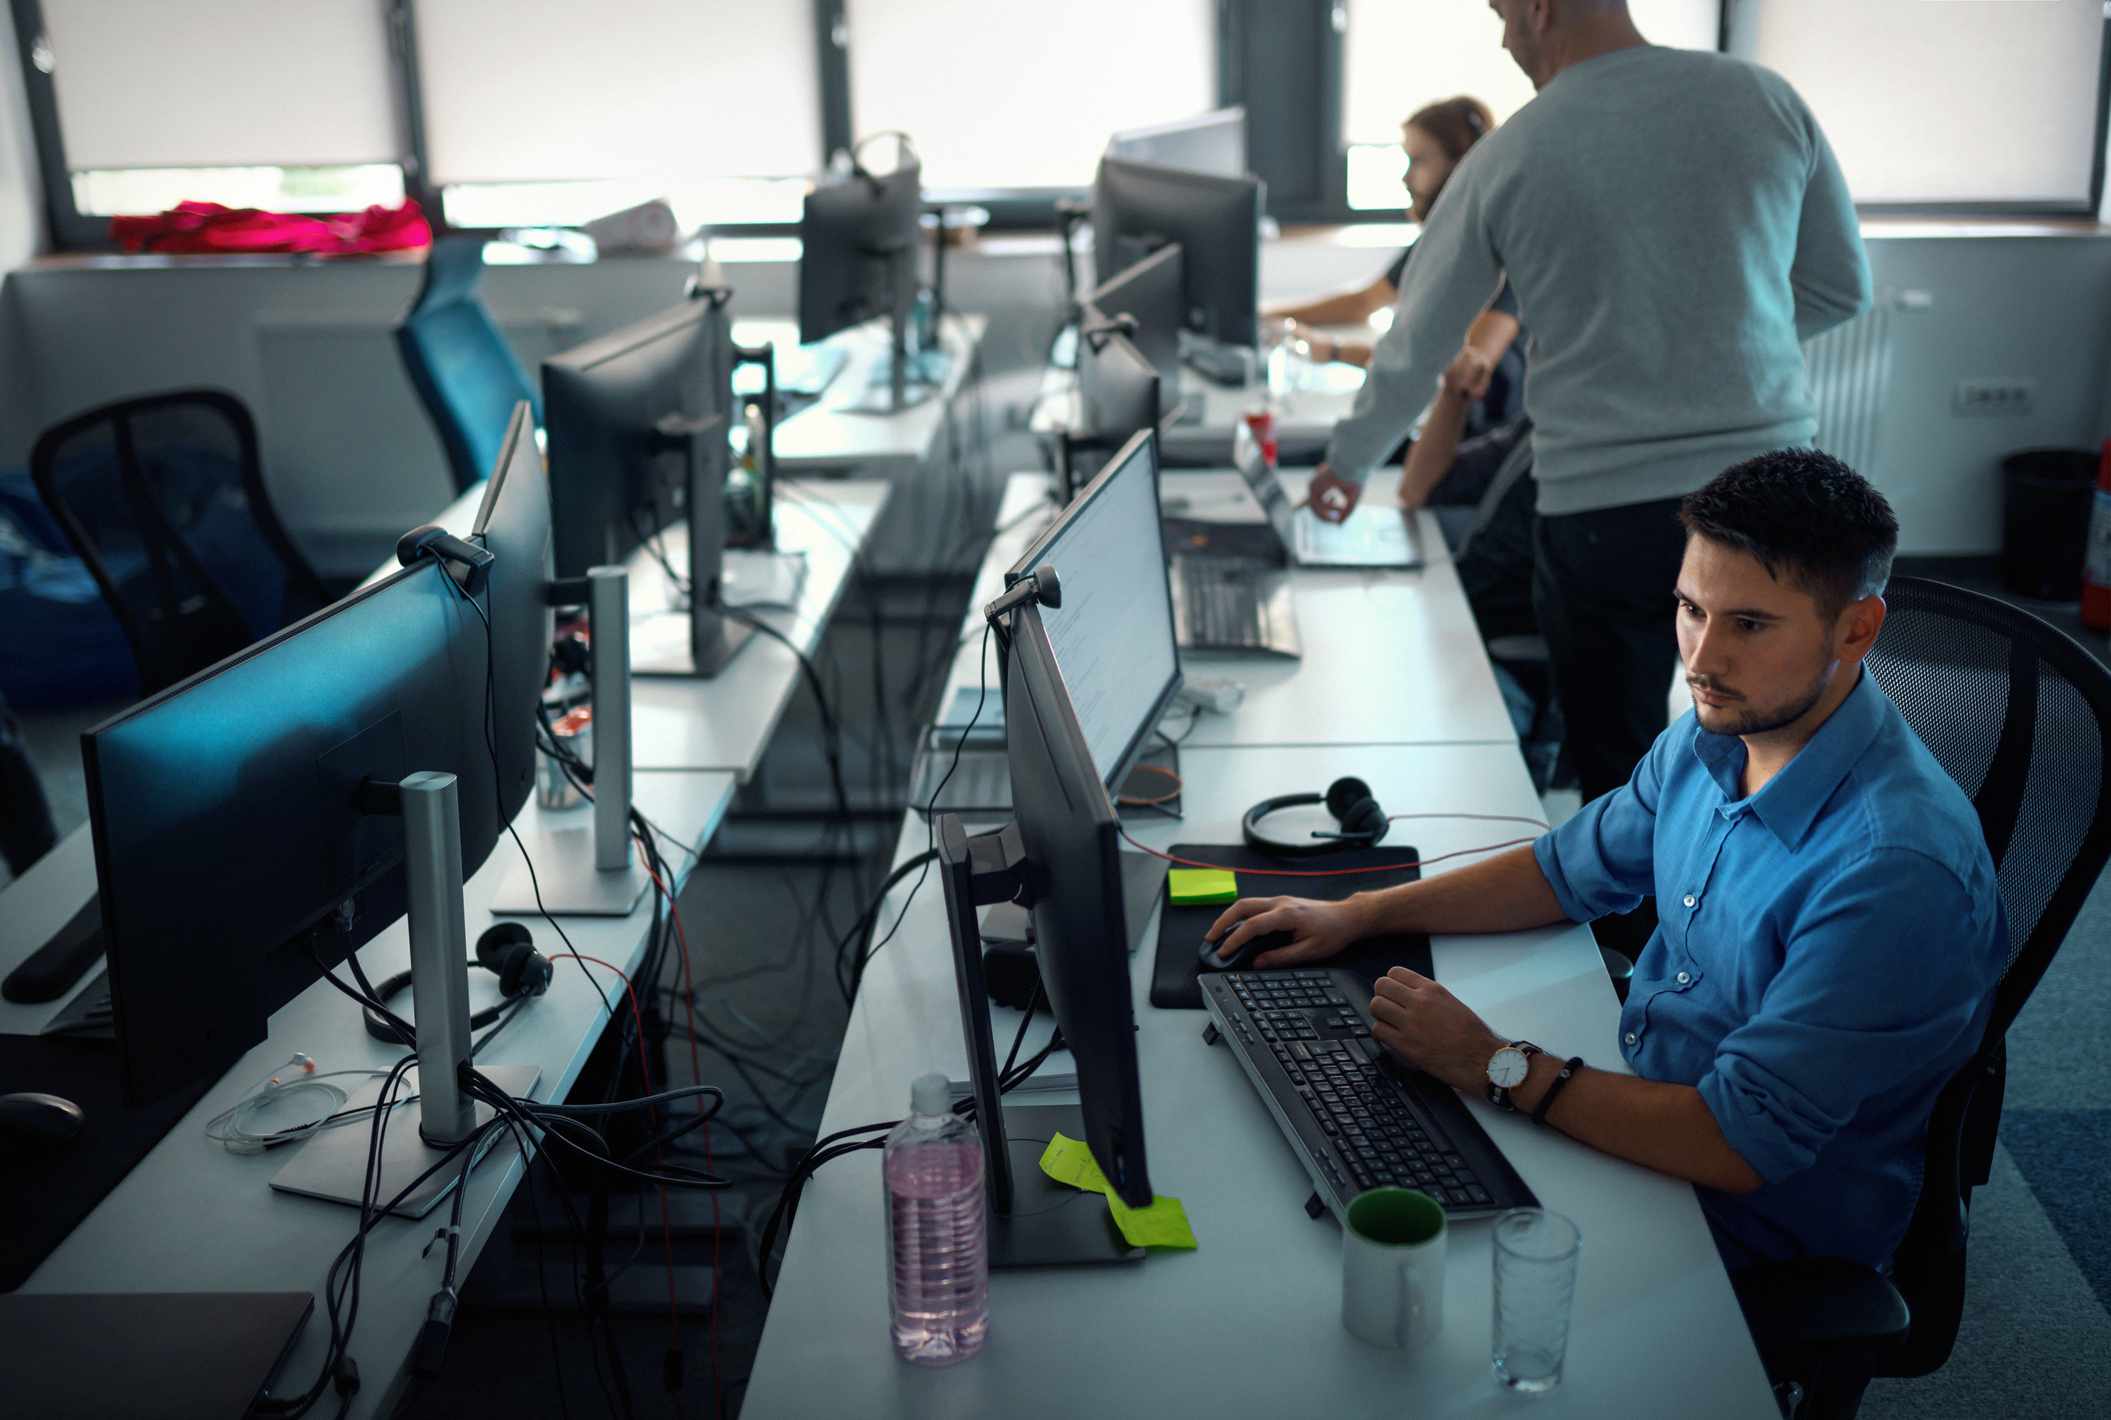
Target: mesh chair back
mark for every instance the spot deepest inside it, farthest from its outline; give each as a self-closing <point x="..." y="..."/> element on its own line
<point x="460" y="364"/>
<point x="163" y="499"/>
<point x="2020" y="717"/>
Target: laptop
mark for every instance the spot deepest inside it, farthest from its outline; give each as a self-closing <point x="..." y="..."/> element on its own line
<point x="1375" y="535"/>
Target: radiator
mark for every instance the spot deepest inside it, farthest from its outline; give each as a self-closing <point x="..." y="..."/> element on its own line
<point x="1849" y="370"/>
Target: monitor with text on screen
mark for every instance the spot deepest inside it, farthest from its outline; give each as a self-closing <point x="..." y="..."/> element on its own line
<point x="1113" y="635"/>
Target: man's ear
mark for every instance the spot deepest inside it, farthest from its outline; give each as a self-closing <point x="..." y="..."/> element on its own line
<point x="1856" y="632"/>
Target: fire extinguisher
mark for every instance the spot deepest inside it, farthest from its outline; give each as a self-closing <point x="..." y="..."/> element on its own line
<point x="2096" y="562"/>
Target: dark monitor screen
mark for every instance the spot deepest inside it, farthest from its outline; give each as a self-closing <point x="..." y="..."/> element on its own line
<point x="1138" y="208"/>
<point x="1118" y="395"/>
<point x="1113" y="637"/>
<point x="514" y="525"/>
<point x="858" y="238"/>
<point x="1152" y="293"/>
<point x="232" y="857"/>
<point x="1213" y="142"/>
<point x="1073" y="889"/>
<point x="615" y="408"/>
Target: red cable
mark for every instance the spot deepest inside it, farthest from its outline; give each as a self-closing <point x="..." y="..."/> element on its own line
<point x="696" y="1065"/>
<point x="1315" y="872"/>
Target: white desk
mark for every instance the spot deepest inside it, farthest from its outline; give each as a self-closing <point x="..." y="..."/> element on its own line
<point x="1390" y="657"/>
<point x="1202" y="433"/>
<point x="725" y="723"/>
<point x="828" y="435"/>
<point x="1250" y="1323"/>
<point x="191" y="1217"/>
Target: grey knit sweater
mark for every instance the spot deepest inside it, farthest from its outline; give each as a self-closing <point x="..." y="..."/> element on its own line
<point x="1674" y="224"/>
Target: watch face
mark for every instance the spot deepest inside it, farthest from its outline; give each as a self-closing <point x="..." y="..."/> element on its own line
<point x="1508" y="1067"/>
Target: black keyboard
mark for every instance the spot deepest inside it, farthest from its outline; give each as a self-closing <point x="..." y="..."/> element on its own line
<point x="1357" y="1119"/>
<point x="1224" y="604"/>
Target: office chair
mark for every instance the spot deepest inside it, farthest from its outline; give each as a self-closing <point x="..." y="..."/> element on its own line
<point x="163" y="499"/>
<point x="2020" y="717"/>
<point x="460" y="364"/>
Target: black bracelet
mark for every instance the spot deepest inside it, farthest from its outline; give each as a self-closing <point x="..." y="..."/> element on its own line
<point x="1546" y="1101"/>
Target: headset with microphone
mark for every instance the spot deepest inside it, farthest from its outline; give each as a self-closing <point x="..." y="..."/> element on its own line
<point x="506" y="950"/>
<point x="1348" y="799"/>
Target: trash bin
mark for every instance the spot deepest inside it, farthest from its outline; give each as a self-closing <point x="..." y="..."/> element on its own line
<point x="2045" y="501"/>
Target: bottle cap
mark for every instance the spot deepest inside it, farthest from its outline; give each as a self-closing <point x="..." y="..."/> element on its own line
<point x="931" y="1094"/>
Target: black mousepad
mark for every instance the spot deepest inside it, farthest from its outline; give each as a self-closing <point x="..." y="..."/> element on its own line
<point x="46" y="1189"/>
<point x="1180" y="929"/>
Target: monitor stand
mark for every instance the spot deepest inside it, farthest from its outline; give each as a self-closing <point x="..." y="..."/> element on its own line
<point x="673" y="632"/>
<point x="1142" y="883"/>
<point x="1033" y="1220"/>
<point x="333" y="1164"/>
<point x="590" y="870"/>
<point x="910" y="378"/>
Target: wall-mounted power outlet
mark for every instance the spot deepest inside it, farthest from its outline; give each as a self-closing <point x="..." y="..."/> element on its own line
<point x="1993" y="397"/>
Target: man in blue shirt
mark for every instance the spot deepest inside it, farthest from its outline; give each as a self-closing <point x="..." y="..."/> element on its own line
<point x="1831" y="932"/>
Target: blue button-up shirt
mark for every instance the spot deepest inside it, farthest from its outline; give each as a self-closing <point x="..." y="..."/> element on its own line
<point x="1824" y="962"/>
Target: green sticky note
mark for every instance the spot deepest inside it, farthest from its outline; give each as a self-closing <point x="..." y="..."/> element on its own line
<point x="1201" y="887"/>
<point x="1163" y="1224"/>
<point x="1066" y="1160"/>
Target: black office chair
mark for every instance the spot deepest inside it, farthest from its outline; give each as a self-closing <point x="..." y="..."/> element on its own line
<point x="2020" y="716"/>
<point x="163" y="498"/>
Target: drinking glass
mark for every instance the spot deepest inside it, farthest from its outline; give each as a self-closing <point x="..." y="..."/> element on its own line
<point x="1535" y="1281"/>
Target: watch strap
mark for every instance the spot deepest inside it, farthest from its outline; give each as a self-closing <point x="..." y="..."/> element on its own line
<point x="1555" y="1087"/>
<point x="1499" y="1095"/>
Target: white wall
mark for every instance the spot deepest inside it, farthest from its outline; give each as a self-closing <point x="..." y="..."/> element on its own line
<point x="350" y="454"/>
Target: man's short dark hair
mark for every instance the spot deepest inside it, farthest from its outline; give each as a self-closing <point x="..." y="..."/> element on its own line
<point x="1805" y="516"/>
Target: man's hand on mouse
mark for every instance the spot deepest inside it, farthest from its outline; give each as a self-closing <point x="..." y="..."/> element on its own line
<point x="1432" y="1030"/>
<point x="1318" y="929"/>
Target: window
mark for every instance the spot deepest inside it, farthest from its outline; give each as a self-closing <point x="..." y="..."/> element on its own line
<point x="998" y="96"/>
<point x="1400" y="57"/>
<point x="551" y="111"/>
<point x="2003" y="108"/>
<point x="217" y="100"/>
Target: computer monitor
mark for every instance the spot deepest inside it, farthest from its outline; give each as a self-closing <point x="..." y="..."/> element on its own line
<point x="1072" y="884"/>
<point x="1213" y="142"/>
<point x="1152" y="294"/>
<point x="1139" y="207"/>
<point x="858" y="237"/>
<point x="638" y="429"/>
<point x="1118" y="396"/>
<point x="513" y="523"/>
<point x="233" y="854"/>
<point x="1113" y="635"/>
<point x="1059" y="859"/>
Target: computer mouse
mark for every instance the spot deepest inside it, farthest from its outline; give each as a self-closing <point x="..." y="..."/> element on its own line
<point x="1242" y="960"/>
<point x="31" y="1119"/>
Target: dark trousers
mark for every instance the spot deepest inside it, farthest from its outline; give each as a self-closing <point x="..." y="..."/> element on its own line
<point x="1602" y="586"/>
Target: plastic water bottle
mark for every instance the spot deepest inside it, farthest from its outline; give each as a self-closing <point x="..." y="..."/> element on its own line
<point x="938" y="1262"/>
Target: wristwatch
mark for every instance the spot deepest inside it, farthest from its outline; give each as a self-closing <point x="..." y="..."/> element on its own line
<point x="1507" y="1069"/>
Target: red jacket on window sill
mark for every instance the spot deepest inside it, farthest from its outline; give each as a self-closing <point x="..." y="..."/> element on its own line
<point x="210" y="227"/>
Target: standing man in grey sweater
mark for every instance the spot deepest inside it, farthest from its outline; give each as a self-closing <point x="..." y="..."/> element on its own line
<point x="1673" y="224"/>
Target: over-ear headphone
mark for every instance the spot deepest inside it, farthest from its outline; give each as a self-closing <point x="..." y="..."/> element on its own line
<point x="506" y="950"/>
<point x="1363" y="822"/>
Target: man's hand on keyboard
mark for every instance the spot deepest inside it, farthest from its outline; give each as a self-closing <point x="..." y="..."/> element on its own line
<point x="1433" y="1030"/>
<point x="1318" y="929"/>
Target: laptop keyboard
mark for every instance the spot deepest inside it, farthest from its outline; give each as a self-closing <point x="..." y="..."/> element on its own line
<point x="1220" y="605"/>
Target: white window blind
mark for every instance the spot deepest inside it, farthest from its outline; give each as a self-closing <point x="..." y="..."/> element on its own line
<point x="1930" y="101"/>
<point x="1018" y="95"/>
<point x="654" y="90"/>
<point x="222" y="83"/>
<point x="1399" y="56"/>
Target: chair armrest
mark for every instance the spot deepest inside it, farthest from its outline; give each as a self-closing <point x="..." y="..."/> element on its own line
<point x="1820" y="1301"/>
